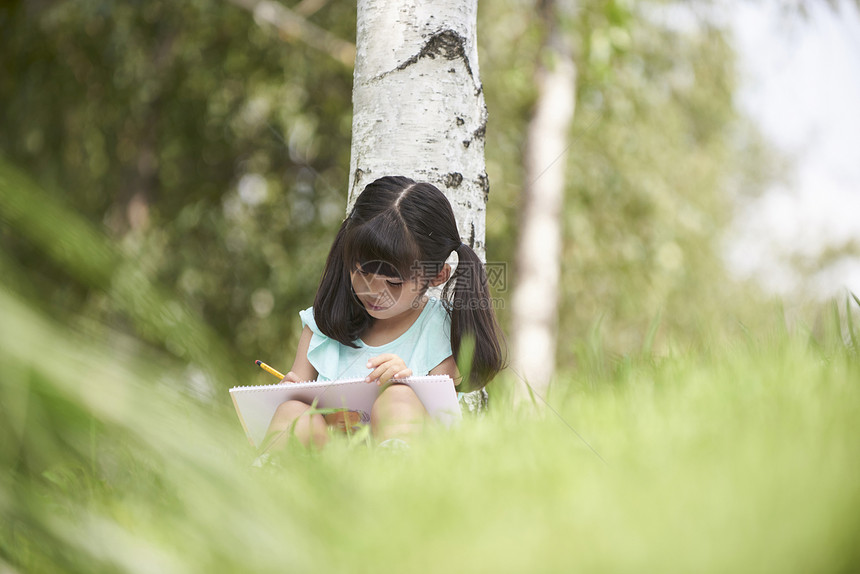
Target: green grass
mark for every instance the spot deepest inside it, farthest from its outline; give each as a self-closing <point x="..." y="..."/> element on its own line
<point x="739" y="458"/>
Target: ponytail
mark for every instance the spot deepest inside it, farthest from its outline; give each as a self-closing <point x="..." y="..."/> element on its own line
<point x="474" y="320"/>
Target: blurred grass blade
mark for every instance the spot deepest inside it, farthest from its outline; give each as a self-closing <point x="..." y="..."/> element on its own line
<point x="89" y="257"/>
<point x="850" y="324"/>
<point x="648" y="344"/>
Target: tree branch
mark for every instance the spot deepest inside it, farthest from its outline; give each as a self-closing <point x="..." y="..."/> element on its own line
<point x="292" y="25"/>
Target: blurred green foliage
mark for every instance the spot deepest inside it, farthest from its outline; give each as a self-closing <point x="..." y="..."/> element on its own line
<point x="209" y="149"/>
<point x="212" y="152"/>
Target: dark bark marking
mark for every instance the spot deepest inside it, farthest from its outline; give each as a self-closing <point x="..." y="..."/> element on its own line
<point x="448" y="44"/>
<point x="481" y="132"/>
<point x="484" y="185"/>
<point x="453" y="180"/>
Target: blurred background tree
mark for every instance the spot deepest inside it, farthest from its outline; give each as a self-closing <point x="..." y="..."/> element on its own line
<point x="538" y="262"/>
<point x="655" y="152"/>
<point x="212" y="148"/>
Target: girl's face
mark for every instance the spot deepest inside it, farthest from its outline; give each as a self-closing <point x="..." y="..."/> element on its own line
<point x="386" y="297"/>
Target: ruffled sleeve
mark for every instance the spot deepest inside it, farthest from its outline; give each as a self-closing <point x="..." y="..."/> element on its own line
<point x="323" y="352"/>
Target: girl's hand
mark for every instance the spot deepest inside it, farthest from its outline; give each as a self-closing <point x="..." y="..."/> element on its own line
<point x="291" y="377"/>
<point x="386" y="367"/>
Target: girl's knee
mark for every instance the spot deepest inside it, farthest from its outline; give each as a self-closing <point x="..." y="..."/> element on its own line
<point x="397" y="403"/>
<point x="399" y="396"/>
<point x="289" y="411"/>
<point x="293" y="418"/>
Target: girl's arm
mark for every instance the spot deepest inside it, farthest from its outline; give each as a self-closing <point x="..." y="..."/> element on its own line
<point x="302" y="369"/>
<point x="448" y="367"/>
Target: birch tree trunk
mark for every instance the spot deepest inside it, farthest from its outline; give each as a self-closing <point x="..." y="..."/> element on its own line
<point x="538" y="258"/>
<point x="418" y="104"/>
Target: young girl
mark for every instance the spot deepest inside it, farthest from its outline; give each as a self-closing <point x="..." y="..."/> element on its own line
<point x="372" y="318"/>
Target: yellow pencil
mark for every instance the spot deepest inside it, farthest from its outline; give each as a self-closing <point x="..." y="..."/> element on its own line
<point x="268" y="369"/>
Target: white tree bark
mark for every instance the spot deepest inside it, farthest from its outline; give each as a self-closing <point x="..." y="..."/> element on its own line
<point x="418" y="103"/>
<point x="538" y="259"/>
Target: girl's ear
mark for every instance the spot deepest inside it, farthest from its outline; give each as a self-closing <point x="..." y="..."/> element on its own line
<point x="443" y="276"/>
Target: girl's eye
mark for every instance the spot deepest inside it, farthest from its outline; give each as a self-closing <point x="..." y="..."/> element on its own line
<point x="393" y="284"/>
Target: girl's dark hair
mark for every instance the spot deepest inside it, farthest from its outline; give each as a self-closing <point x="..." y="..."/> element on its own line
<point x="400" y="228"/>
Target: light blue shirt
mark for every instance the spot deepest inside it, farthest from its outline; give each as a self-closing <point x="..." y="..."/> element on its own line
<point x="422" y="347"/>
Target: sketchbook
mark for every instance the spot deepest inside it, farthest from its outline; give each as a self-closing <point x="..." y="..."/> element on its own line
<point x="256" y="405"/>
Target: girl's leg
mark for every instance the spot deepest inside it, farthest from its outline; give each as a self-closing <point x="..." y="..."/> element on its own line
<point x="309" y="428"/>
<point x="397" y="413"/>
